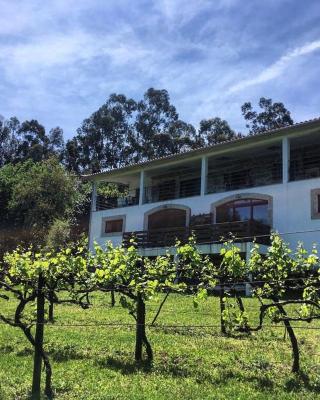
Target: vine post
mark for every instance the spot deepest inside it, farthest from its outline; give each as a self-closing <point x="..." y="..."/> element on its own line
<point x="38" y="348"/>
<point x="140" y="327"/>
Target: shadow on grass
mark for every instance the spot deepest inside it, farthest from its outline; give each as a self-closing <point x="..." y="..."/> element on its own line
<point x="180" y="367"/>
<point x="6" y="349"/>
<point x="125" y="367"/>
<point x="58" y="354"/>
<point x="66" y="353"/>
<point x="301" y="381"/>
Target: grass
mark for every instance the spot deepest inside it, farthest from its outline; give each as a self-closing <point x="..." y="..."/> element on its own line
<point x="96" y="362"/>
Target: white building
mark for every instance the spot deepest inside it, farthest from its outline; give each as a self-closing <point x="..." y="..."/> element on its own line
<point x="248" y="186"/>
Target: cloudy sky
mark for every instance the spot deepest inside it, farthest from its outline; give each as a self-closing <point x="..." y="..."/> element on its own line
<point x="60" y="59"/>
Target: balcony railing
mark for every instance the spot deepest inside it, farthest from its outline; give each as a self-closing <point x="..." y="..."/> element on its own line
<point x="170" y="190"/>
<point x="243" y="231"/>
<point x="305" y="163"/>
<point x="223" y="181"/>
<point x="129" y="198"/>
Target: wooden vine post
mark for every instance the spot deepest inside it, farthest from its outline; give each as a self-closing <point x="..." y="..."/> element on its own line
<point x="140" y="327"/>
<point x="38" y="348"/>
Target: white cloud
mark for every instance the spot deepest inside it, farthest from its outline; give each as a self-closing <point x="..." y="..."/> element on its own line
<point x="59" y="60"/>
<point x="278" y="68"/>
<point x="179" y="12"/>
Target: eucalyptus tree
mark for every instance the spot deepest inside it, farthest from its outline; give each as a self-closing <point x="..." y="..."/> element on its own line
<point x="214" y="131"/>
<point x="272" y="116"/>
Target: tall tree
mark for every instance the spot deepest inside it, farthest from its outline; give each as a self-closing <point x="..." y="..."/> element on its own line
<point x="56" y="142"/>
<point x="159" y="130"/>
<point x="272" y="116"/>
<point x="123" y="131"/>
<point x="213" y="131"/>
<point x="71" y="155"/>
<point x="103" y="138"/>
<point x="33" y="141"/>
<point x="28" y="140"/>
<point x="8" y="139"/>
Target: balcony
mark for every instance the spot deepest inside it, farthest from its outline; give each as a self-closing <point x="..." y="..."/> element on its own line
<point x="245" y="169"/>
<point x="172" y="189"/>
<point x="125" y="199"/>
<point x="305" y="157"/>
<point x="243" y="231"/>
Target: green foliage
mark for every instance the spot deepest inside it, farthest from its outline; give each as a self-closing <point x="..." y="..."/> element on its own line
<point x="34" y="195"/>
<point x="127" y="272"/>
<point x="32" y="277"/>
<point x="272" y="116"/>
<point x="213" y="131"/>
<point x="58" y="234"/>
<point x="233" y="266"/>
<point x="28" y="141"/>
<point x="281" y="270"/>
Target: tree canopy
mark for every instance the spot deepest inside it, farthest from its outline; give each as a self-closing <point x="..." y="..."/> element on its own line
<point x="35" y="194"/>
<point x="272" y="116"/>
<point x="125" y="131"/>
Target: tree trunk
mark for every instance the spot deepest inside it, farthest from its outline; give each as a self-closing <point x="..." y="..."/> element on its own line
<point x="48" y="388"/>
<point x="38" y="349"/>
<point x="293" y="340"/>
<point x="139" y="327"/>
<point x="141" y="337"/>
<point x="113" y="300"/>
<point x="222" y="308"/>
<point x="160" y="308"/>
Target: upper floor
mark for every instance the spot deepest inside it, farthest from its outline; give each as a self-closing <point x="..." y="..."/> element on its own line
<point x="272" y="158"/>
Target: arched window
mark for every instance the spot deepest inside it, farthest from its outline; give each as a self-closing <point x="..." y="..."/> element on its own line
<point x="243" y="210"/>
<point x="167" y="218"/>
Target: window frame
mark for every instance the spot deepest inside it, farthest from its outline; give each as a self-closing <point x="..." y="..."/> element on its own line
<point x="241" y="196"/>
<point x="249" y="203"/>
<point x="315" y="203"/>
<point x="113" y="218"/>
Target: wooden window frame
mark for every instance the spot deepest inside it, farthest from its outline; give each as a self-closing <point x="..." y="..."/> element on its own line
<point x="315" y="203"/>
<point x="241" y="196"/>
<point x="113" y="218"/>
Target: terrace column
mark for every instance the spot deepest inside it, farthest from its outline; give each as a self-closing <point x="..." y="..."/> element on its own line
<point x="285" y="159"/>
<point x="141" y="192"/>
<point x="204" y="173"/>
<point x="94" y="196"/>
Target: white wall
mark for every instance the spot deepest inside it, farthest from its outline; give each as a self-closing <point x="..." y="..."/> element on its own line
<point x="291" y="211"/>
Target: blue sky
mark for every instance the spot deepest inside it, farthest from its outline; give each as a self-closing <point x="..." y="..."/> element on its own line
<point x="60" y="59"/>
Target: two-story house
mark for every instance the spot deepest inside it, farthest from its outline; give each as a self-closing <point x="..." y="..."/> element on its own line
<point x="248" y="186"/>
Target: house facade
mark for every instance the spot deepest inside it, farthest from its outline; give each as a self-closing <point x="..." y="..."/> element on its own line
<point x="247" y="187"/>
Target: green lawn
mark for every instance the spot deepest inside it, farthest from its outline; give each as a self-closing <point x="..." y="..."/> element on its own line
<point x="96" y="362"/>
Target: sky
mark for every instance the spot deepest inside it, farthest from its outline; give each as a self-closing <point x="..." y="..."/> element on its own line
<point x="61" y="59"/>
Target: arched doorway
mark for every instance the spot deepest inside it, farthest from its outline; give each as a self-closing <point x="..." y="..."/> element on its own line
<point x="166" y="224"/>
<point x="167" y="217"/>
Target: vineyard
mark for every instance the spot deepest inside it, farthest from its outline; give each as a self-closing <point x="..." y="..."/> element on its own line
<point x="94" y="361"/>
<point x="111" y="325"/>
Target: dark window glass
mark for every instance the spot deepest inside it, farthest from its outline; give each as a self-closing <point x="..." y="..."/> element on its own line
<point x="114" y="226"/>
<point x="243" y="210"/>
